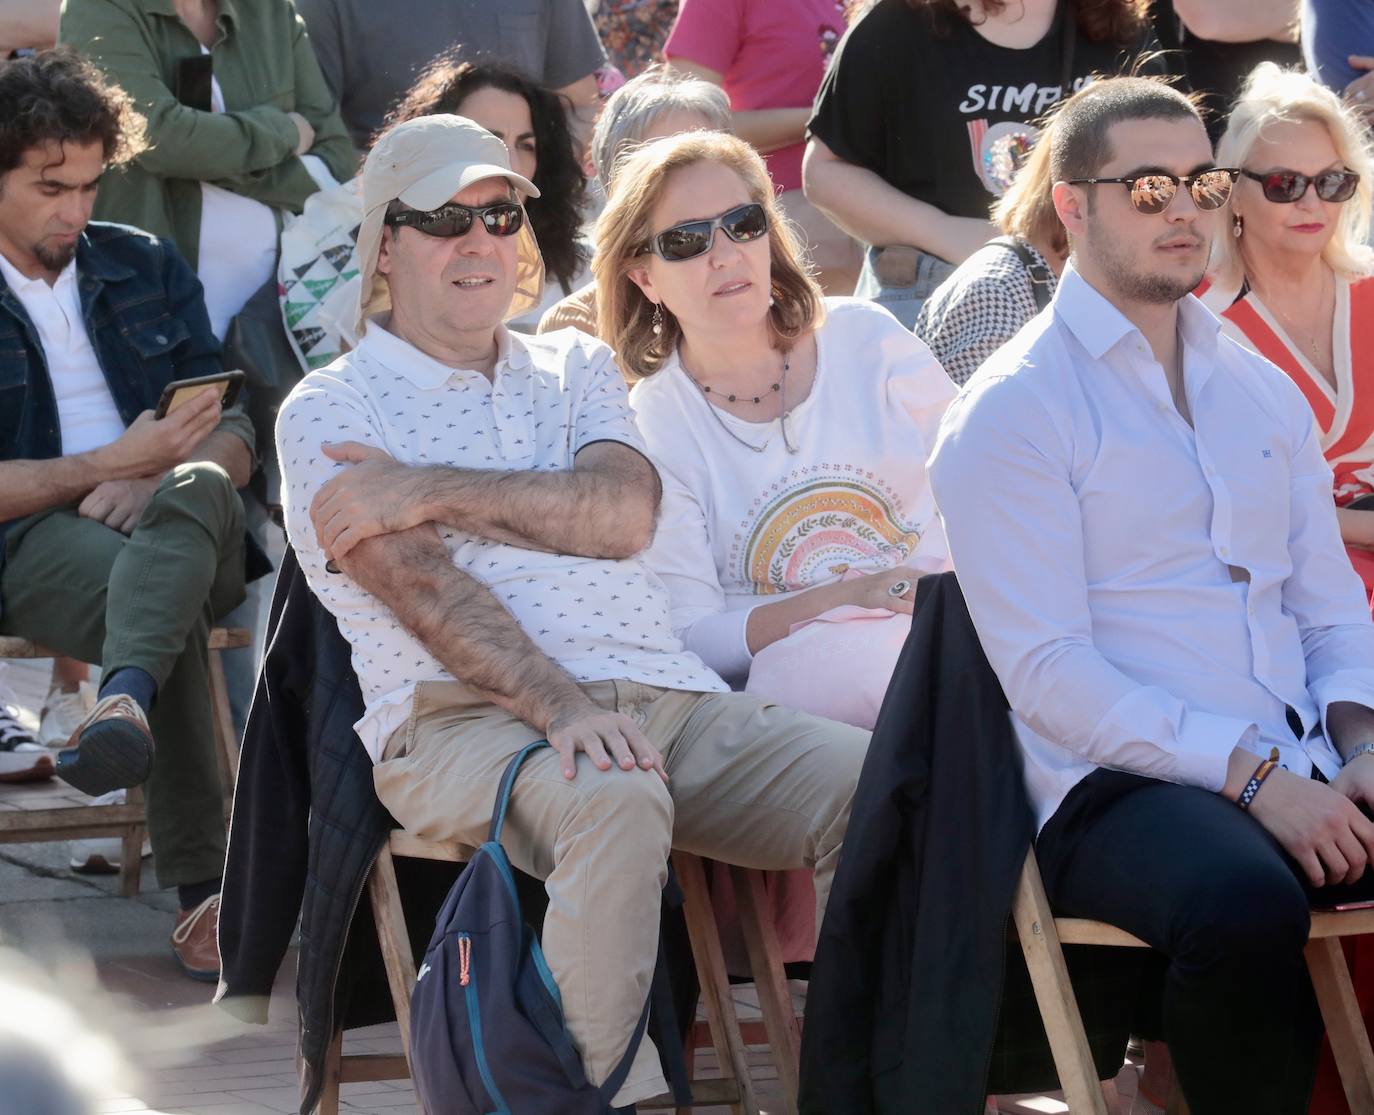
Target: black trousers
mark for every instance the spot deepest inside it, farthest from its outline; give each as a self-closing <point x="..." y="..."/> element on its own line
<point x="1206" y="885"/>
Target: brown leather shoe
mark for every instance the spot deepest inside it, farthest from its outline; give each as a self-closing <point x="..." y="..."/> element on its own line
<point x="195" y="940"/>
<point x="111" y="750"/>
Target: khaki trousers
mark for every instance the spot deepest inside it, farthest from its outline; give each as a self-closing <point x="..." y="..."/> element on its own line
<point x="750" y="783"/>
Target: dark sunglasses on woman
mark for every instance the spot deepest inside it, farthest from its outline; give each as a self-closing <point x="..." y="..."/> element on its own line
<point x="505" y="218"/>
<point x="1153" y="193"/>
<point x="742" y="224"/>
<point x="1287" y="186"/>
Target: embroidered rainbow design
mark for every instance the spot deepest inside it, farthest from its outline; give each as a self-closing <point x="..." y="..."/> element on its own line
<point x="813" y="532"/>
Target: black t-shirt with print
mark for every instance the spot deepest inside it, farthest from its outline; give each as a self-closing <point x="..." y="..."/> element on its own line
<point x="945" y="117"/>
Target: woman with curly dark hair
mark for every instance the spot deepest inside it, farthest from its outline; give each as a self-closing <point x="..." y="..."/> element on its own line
<point x="926" y="112"/>
<point x="533" y="124"/>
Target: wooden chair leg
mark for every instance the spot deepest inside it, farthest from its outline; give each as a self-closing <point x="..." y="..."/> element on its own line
<point x="226" y="739"/>
<point x="395" y="941"/>
<point x="689" y="1061"/>
<point x="765" y="964"/>
<point x="131" y="850"/>
<point x="333" y="1063"/>
<point x="1344" y="1023"/>
<point x="1054" y="993"/>
<point x="715" y="986"/>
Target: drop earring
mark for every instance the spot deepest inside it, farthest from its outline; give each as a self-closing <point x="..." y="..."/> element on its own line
<point x="657" y="320"/>
<point x="1237" y="225"/>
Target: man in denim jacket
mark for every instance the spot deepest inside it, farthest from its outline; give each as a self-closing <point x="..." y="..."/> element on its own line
<point x="122" y="534"/>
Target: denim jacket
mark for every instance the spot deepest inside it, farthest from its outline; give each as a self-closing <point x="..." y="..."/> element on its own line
<point x="146" y="318"/>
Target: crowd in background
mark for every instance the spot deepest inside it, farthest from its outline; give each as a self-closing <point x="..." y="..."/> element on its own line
<point x="911" y="235"/>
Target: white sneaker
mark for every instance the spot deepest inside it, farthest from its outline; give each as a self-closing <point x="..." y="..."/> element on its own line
<point x="22" y="758"/>
<point x="103" y="855"/>
<point x="63" y="714"/>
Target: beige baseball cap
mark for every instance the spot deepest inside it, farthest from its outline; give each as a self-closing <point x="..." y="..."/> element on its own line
<point x="423" y="163"/>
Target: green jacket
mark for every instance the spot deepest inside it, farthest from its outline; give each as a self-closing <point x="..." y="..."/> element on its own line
<point x="265" y="67"/>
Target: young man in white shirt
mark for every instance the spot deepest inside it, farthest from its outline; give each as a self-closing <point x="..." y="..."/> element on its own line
<point x="468" y="504"/>
<point x="122" y="534"/>
<point x="1138" y="513"/>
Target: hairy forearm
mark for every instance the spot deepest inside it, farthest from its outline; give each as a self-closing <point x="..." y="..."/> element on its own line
<point x="599" y="513"/>
<point x="230" y="453"/>
<point x="27" y="487"/>
<point x="461" y="623"/>
<point x="1350" y="725"/>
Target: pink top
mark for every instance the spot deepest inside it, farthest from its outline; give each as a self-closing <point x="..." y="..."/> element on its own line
<point x="770" y="53"/>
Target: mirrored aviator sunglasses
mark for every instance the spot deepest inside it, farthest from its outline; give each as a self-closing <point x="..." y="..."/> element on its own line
<point x="505" y="218"/>
<point x="1153" y="193"/>
<point x="693" y="238"/>
<point x="1286" y="186"/>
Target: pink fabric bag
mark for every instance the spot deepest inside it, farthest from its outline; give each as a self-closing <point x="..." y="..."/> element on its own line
<point x="836" y="665"/>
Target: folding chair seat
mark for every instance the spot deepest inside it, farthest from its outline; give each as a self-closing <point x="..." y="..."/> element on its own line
<point x="1042" y="934"/>
<point x="45" y="811"/>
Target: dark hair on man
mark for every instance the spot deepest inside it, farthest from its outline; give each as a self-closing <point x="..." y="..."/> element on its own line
<point x="1079" y="146"/>
<point x="556" y="214"/>
<point x="57" y="95"/>
<point x="1121" y="21"/>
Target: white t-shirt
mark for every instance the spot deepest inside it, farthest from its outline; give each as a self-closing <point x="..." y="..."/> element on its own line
<point x="86" y="412"/>
<point x="550" y="396"/>
<point x="739" y="528"/>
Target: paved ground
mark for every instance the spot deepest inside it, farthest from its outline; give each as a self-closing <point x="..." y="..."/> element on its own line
<point x="189" y="1057"/>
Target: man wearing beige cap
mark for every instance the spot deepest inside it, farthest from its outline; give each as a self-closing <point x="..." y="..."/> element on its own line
<point x="483" y="497"/>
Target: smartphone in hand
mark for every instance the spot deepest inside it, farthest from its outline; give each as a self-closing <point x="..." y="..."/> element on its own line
<point x="181" y="391"/>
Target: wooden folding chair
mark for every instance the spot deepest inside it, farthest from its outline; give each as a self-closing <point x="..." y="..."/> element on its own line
<point x="1042" y="935"/>
<point x="40" y="812"/>
<point x="733" y="1088"/>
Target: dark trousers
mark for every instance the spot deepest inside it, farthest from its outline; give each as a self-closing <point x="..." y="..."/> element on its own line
<point x="147" y="600"/>
<point x="1206" y="885"/>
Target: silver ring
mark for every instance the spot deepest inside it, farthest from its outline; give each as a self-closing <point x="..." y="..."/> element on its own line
<point x="900" y="588"/>
<point x="1361" y="95"/>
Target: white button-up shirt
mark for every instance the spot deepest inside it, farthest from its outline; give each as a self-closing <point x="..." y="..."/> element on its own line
<point x="549" y="397"/>
<point x="1150" y="594"/>
<point x="86" y="413"/>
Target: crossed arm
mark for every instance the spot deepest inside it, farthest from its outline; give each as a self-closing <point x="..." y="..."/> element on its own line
<point x="474" y="638"/>
<point x="603" y="507"/>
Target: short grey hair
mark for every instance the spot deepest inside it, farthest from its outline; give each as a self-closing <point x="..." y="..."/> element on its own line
<point x="630" y="112"/>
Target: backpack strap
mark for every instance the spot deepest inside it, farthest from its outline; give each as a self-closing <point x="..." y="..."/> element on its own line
<point x="619" y="1074"/>
<point x="1041" y="277"/>
<point x="498" y="813"/>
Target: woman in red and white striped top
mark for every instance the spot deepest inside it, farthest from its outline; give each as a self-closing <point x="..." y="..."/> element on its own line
<point x="1295" y="280"/>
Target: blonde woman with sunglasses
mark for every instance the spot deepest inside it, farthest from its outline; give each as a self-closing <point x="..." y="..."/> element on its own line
<point x="1293" y="281"/>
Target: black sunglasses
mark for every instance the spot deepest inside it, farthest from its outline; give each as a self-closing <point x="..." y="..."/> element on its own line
<point x="505" y="218"/>
<point x="1287" y="186"/>
<point x="1153" y="193"/>
<point x="693" y="238"/>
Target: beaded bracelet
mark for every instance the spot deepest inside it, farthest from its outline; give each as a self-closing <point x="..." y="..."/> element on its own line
<point x="1263" y="771"/>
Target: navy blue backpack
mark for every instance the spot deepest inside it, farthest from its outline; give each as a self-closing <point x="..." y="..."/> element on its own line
<point x="486" y="1020"/>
